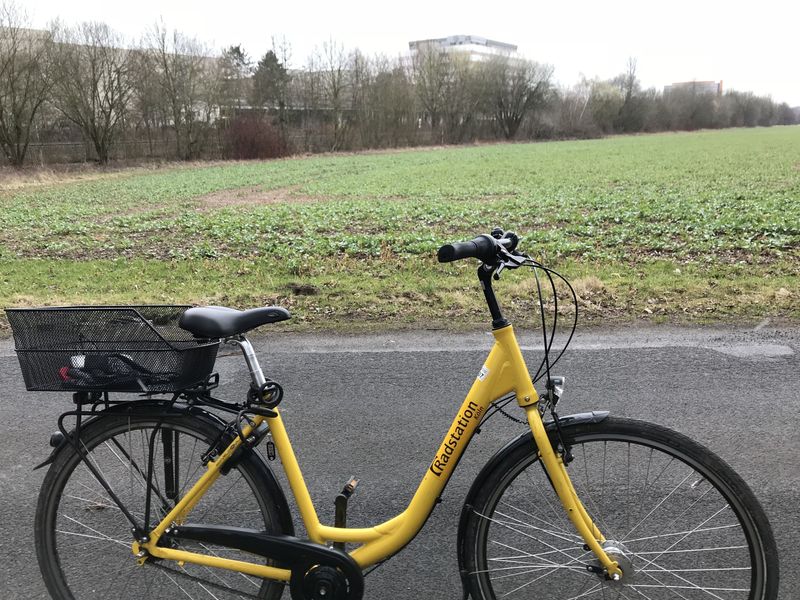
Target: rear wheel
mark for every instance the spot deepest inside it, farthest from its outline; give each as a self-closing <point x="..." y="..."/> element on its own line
<point x="680" y="522"/>
<point x="83" y="540"/>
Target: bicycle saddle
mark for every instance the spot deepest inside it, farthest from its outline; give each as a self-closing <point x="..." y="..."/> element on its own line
<point x="220" y="322"/>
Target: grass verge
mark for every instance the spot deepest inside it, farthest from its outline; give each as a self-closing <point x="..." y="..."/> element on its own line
<point x="668" y="228"/>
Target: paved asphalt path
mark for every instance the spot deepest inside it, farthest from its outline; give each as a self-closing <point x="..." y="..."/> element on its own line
<point x="377" y="407"/>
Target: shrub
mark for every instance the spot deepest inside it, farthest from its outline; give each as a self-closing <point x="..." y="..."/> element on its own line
<point x="252" y="136"/>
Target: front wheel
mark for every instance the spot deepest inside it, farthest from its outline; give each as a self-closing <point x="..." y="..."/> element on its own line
<point x="680" y="522"/>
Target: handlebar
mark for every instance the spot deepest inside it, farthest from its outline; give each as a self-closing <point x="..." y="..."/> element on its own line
<point x="484" y="247"/>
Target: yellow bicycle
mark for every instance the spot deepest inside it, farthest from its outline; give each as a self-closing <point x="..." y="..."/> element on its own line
<point x="169" y="494"/>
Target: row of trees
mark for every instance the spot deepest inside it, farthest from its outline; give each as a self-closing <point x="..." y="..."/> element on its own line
<point x="620" y="105"/>
<point x="86" y="79"/>
<point x="170" y="89"/>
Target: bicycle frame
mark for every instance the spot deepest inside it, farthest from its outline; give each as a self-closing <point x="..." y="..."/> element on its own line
<point x="503" y="372"/>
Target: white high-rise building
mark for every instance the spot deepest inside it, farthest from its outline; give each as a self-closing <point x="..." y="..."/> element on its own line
<point x="477" y="48"/>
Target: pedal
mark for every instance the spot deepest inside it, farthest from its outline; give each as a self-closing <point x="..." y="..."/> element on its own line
<point x="350" y="487"/>
<point x="340" y="517"/>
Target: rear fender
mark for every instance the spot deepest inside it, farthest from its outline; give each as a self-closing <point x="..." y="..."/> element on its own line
<point x="193" y="412"/>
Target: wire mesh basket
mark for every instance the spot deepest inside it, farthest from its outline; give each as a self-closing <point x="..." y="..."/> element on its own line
<point x="109" y="348"/>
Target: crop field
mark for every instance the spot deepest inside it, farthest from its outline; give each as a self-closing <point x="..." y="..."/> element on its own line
<point x="688" y="227"/>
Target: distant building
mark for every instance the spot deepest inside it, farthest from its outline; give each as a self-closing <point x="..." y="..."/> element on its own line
<point x="696" y="87"/>
<point x="477" y="48"/>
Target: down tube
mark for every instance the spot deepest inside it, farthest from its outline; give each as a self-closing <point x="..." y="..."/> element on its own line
<point x="497" y="378"/>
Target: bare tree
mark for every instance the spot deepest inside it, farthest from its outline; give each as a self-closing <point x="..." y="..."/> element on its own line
<point x="92" y="82"/>
<point x="333" y="61"/>
<point x="24" y="80"/>
<point x="187" y="76"/>
<point x="430" y="66"/>
<point x="631" y="113"/>
<point x="518" y="87"/>
<point x="392" y="107"/>
<point x="461" y="97"/>
<point x="573" y="114"/>
<point x="360" y="75"/>
<point x="148" y="107"/>
<point x="305" y="88"/>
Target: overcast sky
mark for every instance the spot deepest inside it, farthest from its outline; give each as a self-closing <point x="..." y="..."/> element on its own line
<point x="753" y="46"/>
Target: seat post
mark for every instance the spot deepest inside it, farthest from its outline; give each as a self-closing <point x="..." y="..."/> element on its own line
<point x="256" y="374"/>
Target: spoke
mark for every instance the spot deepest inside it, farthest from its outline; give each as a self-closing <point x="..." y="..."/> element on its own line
<point x="657" y="506"/>
<point x="690" y="587"/>
<point x="99" y="536"/>
<point x="673" y="574"/>
<point x="553" y="566"/>
<point x="522" y="566"/>
<point x="95" y="504"/>
<point x="641" y="593"/>
<point x="534" y="580"/>
<point x="191" y="476"/>
<point x="620" y="592"/>
<point x="526" y="535"/>
<point x="694" y="570"/>
<point x="101" y="493"/>
<point x="527" y="554"/>
<point x="704" y="529"/>
<point x="586" y="593"/>
<point x="597" y="513"/>
<point x="145" y="449"/>
<point x="172" y="579"/>
<point x="687" y="509"/>
<point x="678" y="541"/>
<point x="660" y="552"/>
<point x="196" y="580"/>
<point x="131" y="467"/>
<point x="648" y="484"/>
<point x="130" y="455"/>
<point x="674" y="592"/>
<point x="222" y="495"/>
<point x="205" y="589"/>
<point x="532" y="516"/>
<point x="628" y="489"/>
<point x="90" y="457"/>
<point x="529" y="526"/>
<point x="251" y="580"/>
<point x="559" y="514"/>
<point x="603" y="477"/>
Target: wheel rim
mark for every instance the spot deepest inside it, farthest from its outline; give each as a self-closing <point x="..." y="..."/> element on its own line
<point x="677" y="524"/>
<point x="88" y="539"/>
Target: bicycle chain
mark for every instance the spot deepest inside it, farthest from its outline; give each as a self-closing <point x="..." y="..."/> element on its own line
<point x="508" y="416"/>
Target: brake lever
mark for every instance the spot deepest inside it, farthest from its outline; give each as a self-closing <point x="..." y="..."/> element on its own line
<point x="512" y="260"/>
<point x="509" y="260"/>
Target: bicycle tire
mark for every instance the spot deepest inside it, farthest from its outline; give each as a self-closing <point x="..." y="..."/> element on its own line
<point x="693" y="528"/>
<point x="83" y="541"/>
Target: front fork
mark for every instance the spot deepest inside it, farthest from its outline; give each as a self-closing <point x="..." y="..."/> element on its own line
<point x="556" y="470"/>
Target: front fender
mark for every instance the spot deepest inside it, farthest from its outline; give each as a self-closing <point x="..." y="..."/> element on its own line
<point x="480" y="481"/>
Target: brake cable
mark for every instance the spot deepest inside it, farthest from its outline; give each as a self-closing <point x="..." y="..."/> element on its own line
<point x="551" y="399"/>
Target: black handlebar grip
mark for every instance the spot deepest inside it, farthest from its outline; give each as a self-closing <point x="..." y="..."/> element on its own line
<point x="483" y="247"/>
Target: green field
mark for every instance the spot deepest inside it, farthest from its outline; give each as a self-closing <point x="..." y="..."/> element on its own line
<point x="674" y="227"/>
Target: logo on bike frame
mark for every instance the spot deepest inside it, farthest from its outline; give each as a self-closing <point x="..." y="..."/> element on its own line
<point x="447" y="452"/>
